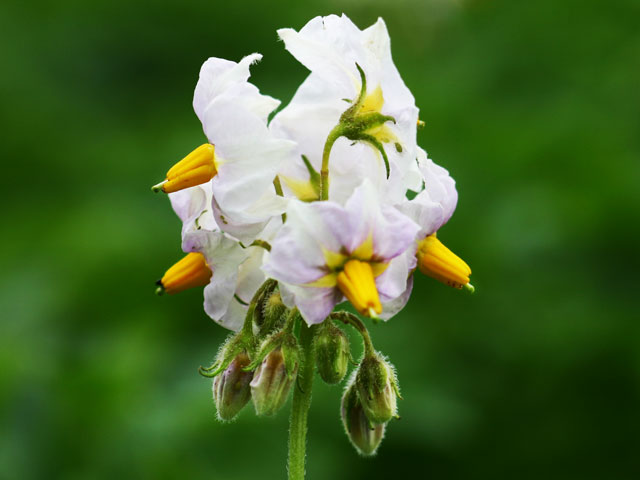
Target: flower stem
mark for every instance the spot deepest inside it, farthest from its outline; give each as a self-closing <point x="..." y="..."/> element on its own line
<point x="326" y="152"/>
<point x="301" y="403"/>
<point x="350" y="319"/>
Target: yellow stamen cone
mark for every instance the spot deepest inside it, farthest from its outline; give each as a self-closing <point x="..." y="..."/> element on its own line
<point x="191" y="271"/>
<point x="437" y="261"/>
<point x="195" y="169"/>
<point x="356" y="282"/>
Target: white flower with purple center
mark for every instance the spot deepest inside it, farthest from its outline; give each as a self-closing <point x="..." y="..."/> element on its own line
<point x="326" y="252"/>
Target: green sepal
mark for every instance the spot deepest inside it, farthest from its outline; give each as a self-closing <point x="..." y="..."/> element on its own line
<point x="375" y="143"/>
<point x="377" y="387"/>
<point x="233" y="346"/>
<point x="258" y="311"/>
<point x="268" y="345"/>
<point x="291" y="354"/>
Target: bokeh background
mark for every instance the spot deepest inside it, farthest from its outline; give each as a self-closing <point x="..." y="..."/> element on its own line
<point x="534" y="107"/>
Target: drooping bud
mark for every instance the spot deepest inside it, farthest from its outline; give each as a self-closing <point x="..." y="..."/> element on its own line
<point x="195" y="169"/>
<point x="377" y="388"/>
<point x="332" y="353"/>
<point x="437" y="261"/>
<point x="272" y="381"/>
<point x="231" y="390"/>
<point x="191" y="271"/>
<point x="357" y="283"/>
<point x="364" y="435"/>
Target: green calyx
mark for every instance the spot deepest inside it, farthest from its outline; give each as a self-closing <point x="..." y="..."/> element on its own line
<point x="283" y="340"/>
<point x="244" y="340"/>
<point x="377" y="388"/>
<point x="235" y="345"/>
<point x="358" y="125"/>
<point x="361" y="122"/>
<point x="276" y="368"/>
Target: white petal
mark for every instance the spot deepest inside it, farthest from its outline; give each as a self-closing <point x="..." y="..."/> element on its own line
<point x="434" y="205"/>
<point x="220" y="77"/>
<point x="224" y="256"/>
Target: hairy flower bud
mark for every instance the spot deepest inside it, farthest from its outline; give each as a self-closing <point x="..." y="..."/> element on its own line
<point x="332" y="353"/>
<point x="231" y="390"/>
<point x="377" y="387"/>
<point x="364" y="435"/>
<point x="272" y="313"/>
<point x="272" y="381"/>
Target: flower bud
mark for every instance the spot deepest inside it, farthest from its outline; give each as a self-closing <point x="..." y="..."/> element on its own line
<point x="364" y="435"/>
<point x="272" y="381"/>
<point x="272" y="314"/>
<point x="231" y="390"/>
<point x="332" y="353"/>
<point x="377" y="387"/>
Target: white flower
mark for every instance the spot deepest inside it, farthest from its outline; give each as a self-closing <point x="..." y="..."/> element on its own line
<point x="332" y="48"/>
<point x="247" y="156"/>
<point x="236" y="270"/>
<point x="326" y="251"/>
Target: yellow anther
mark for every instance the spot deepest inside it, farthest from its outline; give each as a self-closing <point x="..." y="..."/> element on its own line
<point x="191" y="271"/>
<point x="356" y="282"/>
<point x="437" y="261"/>
<point x="195" y="169"/>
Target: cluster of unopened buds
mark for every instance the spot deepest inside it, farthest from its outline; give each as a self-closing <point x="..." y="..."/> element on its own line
<point x="330" y="200"/>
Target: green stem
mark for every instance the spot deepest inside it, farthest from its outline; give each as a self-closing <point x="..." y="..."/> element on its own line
<point x="350" y="319"/>
<point x="326" y="152"/>
<point x="301" y="403"/>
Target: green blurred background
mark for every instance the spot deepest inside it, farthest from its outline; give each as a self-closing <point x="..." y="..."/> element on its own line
<point x="534" y="107"/>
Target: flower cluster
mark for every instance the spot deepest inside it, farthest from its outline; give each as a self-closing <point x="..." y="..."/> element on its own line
<point x="332" y="200"/>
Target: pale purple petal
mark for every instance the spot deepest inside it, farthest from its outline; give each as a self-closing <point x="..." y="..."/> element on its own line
<point x="440" y="186"/>
<point x="297" y="253"/>
<point x="218" y="295"/>
<point x="393" y="281"/>
<point x="315" y="304"/>
<point x="391" y="308"/>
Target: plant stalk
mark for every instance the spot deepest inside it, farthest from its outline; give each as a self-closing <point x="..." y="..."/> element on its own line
<point x="301" y="404"/>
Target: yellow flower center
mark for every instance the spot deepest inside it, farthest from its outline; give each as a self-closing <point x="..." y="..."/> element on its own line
<point x="354" y="275"/>
<point x="191" y="271"/>
<point x="195" y="169"/>
<point x="357" y="283"/>
<point x="437" y="261"/>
